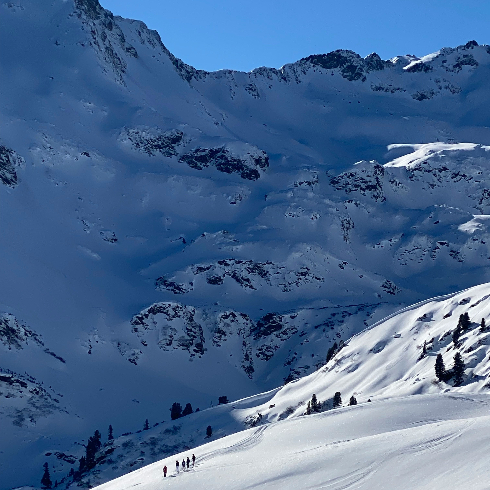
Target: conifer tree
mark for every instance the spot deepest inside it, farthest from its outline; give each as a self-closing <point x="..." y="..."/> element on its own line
<point x="147" y="425"/>
<point x="483" y="327"/>
<point x="457" y="334"/>
<point x="187" y="410"/>
<point x="82" y="464"/>
<point x="110" y="437"/>
<point x="331" y="352"/>
<point x="308" y="408"/>
<point x="458" y="369"/>
<point x="315" y="406"/>
<point x="352" y="400"/>
<point x="337" y="400"/>
<point x="209" y="431"/>
<point x="464" y="322"/>
<point x="440" y="368"/>
<point x="46" y="479"/>
<point x="93" y="445"/>
<point x="176" y="411"/>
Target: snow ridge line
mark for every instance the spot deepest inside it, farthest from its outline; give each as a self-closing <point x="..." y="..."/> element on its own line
<point x="409" y="308"/>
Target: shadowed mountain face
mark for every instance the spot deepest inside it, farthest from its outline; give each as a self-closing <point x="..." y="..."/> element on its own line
<point x="173" y="234"/>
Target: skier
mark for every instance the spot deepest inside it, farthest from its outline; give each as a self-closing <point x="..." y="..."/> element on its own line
<point x="164" y="471"/>
<point x="188" y="461"/>
<point x="193" y="460"/>
<point x="177" y="466"/>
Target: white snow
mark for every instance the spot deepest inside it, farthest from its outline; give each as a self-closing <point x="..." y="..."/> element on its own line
<point x="425" y="442"/>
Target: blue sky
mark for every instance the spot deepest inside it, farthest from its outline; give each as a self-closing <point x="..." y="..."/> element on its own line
<point x="243" y="35"/>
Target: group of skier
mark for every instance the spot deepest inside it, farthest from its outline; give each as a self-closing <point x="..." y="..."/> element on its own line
<point x="185" y="464"/>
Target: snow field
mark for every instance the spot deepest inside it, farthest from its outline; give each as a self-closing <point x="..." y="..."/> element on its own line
<point x="427" y="441"/>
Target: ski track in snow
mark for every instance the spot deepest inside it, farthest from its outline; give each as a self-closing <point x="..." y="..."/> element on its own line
<point x="246" y="443"/>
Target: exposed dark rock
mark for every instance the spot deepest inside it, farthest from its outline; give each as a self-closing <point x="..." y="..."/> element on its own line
<point x="226" y="162"/>
<point x="465" y="60"/>
<point x="351" y="65"/>
<point x="389" y="89"/>
<point x="419" y="67"/>
<point x="153" y="141"/>
<point x="267" y="325"/>
<point x="423" y="94"/>
<point x="367" y="181"/>
<point x="108" y="236"/>
<point x="252" y="89"/>
<point x="32" y="402"/>
<point x="390" y="287"/>
<point x="247" y="273"/>
<point x="91" y="8"/>
<point x="185" y="334"/>
<point x="106" y="37"/>
<point x="8" y="161"/>
<point x="15" y="334"/>
<point x="373" y="62"/>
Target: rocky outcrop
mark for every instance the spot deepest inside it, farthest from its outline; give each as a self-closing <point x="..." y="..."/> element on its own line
<point x="9" y="161"/>
<point x="16" y="335"/>
<point x="175" y="325"/>
<point x="25" y="399"/>
<point x="367" y="181"/>
<point x="106" y="37"/>
<point x="226" y="160"/>
<point x="249" y="274"/>
<point x="350" y="65"/>
<point x="153" y="141"/>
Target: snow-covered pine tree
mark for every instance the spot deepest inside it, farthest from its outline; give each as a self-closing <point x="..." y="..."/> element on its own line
<point x="146" y="426"/>
<point x="46" y="479"/>
<point x="483" y="326"/>
<point x="458" y="369"/>
<point x="308" y="408"/>
<point x="457" y="334"/>
<point x="315" y="406"/>
<point x="440" y="368"/>
<point x="209" y="431"/>
<point x="110" y="437"/>
<point x="337" y="400"/>
<point x="353" y="400"/>
<point x="464" y="322"/>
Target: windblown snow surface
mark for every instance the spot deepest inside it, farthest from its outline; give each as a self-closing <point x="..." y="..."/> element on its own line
<point x="173" y="235"/>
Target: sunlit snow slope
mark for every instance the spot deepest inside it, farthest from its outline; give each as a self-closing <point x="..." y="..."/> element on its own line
<point x="384" y="367"/>
<point x="423" y="442"/>
<point x="170" y="234"/>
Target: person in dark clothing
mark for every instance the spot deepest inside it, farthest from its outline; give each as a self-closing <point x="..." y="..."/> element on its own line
<point x="188" y="461"/>
<point x="177" y="466"/>
<point x="193" y="459"/>
<point x="183" y="464"/>
<point x="164" y="471"/>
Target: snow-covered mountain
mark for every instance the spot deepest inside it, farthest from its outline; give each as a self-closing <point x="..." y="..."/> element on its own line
<point x="171" y="234"/>
<point x="426" y="442"/>
<point x="383" y="368"/>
